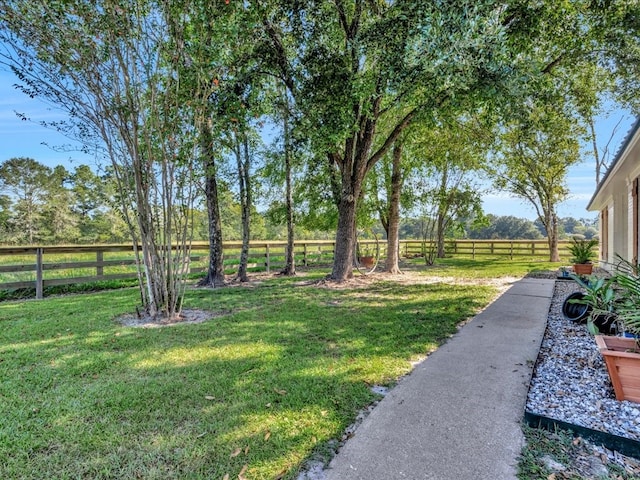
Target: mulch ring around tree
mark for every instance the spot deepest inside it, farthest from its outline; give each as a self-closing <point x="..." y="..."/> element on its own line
<point x="186" y="316"/>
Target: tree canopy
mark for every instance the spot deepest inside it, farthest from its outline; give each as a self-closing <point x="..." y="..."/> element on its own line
<point x="171" y="91"/>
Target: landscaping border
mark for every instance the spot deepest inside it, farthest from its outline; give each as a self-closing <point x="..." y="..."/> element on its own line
<point x="623" y="445"/>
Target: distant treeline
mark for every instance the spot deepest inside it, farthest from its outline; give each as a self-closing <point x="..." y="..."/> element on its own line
<point x="52" y="206"/>
<point x="506" y="227"/>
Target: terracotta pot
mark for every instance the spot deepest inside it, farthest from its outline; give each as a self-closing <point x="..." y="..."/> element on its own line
<point x="623" y="363"/>
<point x="367" y="261"/>
<point x="583" y="268"/>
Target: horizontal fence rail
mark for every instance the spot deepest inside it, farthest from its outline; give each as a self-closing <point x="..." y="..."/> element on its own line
<point x="45" y="266"/>
<point x="473" y="248"/>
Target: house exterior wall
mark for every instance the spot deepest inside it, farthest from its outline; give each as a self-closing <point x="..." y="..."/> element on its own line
<point x="617" y="201"/>
<point x="618" y="231"/>
<point x="629" y="223"/>
<point x="608" y="260"/>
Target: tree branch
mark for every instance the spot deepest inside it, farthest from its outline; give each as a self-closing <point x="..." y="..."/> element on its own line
<point x="281" y="56"/>
<point x="395" y="133"/>
<point x="552" y="64"/>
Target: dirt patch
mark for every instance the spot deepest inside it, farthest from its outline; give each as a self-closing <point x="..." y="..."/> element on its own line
<point x="410" y="278"/>
<point x="359" y="281"/>
<point x="187" y="316"/>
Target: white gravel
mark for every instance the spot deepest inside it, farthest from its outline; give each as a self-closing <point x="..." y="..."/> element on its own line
<point x="570" y="380"/>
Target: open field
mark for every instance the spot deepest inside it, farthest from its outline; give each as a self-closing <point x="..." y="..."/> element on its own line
<point x="28" y="271"/>
<point x="272" y="379"/>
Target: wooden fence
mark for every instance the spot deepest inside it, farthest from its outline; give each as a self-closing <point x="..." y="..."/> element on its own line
<point x="45" y="266"/>
<point x="503" y="248"/>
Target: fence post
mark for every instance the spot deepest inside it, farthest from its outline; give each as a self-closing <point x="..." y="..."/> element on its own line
<point x="533" y="249"/>
<point x="39" y="274"/>
<point x="99" y="266"/>
<point x="473" y="250"/>
<point x="304" y="255"/>
<point x="511" y="252"/>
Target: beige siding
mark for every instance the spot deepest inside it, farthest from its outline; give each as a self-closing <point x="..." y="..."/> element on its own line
<point x="615" y="195"/>
<point x="610" y="234"/>
<point x="629" y="224"/>
<point x="620" y="217"/>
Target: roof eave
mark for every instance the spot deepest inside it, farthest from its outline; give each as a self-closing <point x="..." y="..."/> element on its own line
<point x="621" y="151"/>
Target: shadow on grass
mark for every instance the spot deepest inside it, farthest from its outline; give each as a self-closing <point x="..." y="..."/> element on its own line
<point x="266" y="387"/>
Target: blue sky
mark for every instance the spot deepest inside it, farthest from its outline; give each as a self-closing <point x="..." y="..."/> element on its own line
<point x="611" y="128"/>
<point x="20" y="138"/>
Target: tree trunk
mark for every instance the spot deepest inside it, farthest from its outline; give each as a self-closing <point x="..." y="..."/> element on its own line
<point x="353" y="169"/>
<point x="345" y="240"/>
<point x="354" y="164"/>
<point x="440" y="235"/>
<point x="290" y="265"/>
<point x="245" y="203"/>
<point x="428" y="248"/>
<point x="441" y="214"/>
<point x="551" y="224"/>
<point x="594" y="146"/>
<point x="393" y="226"/>
<point x="215" y="271"/>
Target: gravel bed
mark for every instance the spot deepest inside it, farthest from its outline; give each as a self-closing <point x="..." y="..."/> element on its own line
<point x="570" y="380"/>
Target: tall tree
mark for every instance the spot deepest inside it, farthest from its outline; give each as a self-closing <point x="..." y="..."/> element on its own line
<point x="617" y="25"/>
<point x="452" y="155"/>
<point x="215" y="270"/>
<point x="59" y="219"/>
<point x="536" y="149"/>
<point x="361" y="60"/>
<point x="114" y="68"/>
<point x="290" y="260"/>
<point x="390" y="216"/>
<point x="439" y="160"/>
<point x="88" y="200"/>
<point x="241" y="151"/>
<point x="26" y="182"/>
<point x="209" y="38"/>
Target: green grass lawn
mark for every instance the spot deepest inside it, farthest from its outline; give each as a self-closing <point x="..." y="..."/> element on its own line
<point x="482" y="267"/>
<point x="280" y="371"/>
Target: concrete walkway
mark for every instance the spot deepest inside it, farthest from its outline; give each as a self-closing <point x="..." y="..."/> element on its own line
<point x="457" y="415"/>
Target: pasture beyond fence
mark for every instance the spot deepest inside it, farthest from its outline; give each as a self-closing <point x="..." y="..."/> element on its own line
<point x="38" y="267"/>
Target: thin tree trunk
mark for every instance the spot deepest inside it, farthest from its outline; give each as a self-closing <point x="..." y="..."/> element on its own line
<point x="393" y="230"/>
<point x="290" y="266"/>
<point x="215" y="271"/>
<point x="441" y="213"/>
<point x="594" y="146"/>
<point x="440" y="234"/>
<point x="245" y="203"/>
<point x="551" y="224"/>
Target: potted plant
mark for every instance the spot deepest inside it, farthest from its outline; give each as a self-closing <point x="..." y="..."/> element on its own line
<point x="622" y="354"/>
<point x="600" y="298"/>
<point x="628" y="307"/>
<point x="366" y="258"/>
<point x="583" y="253"/>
